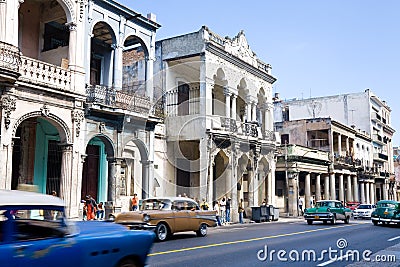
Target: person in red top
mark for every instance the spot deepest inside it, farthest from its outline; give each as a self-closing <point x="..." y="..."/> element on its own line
<point x="134" y="202"/>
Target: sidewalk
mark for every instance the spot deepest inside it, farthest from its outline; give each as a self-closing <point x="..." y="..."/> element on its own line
<point x="250" y="222"/>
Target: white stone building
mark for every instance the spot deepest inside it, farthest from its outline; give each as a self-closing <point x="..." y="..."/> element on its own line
<point x="368" y="116"/>
<point x="219" y="138"/>
<point x="77" y="113"/>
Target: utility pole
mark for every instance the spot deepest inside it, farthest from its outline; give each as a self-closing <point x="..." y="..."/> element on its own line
<point x="286" y="181"/>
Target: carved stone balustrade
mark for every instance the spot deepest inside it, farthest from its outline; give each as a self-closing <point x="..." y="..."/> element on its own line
<point x="10" y="60"/>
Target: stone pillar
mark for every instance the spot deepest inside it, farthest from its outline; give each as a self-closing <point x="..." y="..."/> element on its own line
<point x="210" y="195"/>
<point x="273" y="183"/>
<point x="249" y="113"/>
<point x="385" y="191"/>
<point x="341" y="188"/>
<point x="233" y="114"/>
<point x="372" y="193"/>
<point x="254" y="111"/>
<point x="72" y="44"/>
<point x="117" y="70"/>
<point x="234" y="200"/>
<point x="355" y="189"/>
<point x="112" y="181"/>
<point x="347" y="146"/>
<point x="349" y="196"/>
<point x="367" y="194"/>
<point x="340" y="144"/>
<point x="204" y="159"/>
<point x="362" y="189"/>
<point x="326" y="187"/>
<point x="333" y="187"/>
<point x="318" y="187"/>
<point x="3" y="19"/>
<point x="307" y="190"/>
<point x="146" y="166"/>
<point x="149" y="75"/>
<point x="227" y="103"/>
<point x="250" y="172"/>
<point x="151" y="164"/>
<point x="66" y="178"/>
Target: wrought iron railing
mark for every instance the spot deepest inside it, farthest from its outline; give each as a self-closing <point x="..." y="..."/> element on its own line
<point x="118" y="99"/>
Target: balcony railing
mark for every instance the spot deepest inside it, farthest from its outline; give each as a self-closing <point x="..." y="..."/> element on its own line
<point x="118" y="99"/>
<point x="250" y="129"/>
<point x="381" y="156"/>
<point x="10" y="57"/>
<point x="229" y="124"/>
<point x="42" y="73"/>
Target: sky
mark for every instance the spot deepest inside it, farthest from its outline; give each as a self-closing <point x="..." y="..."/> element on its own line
<point x="316" y="48"/>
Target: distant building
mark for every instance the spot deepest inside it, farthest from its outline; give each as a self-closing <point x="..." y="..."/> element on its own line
<point x="366" y="132"/>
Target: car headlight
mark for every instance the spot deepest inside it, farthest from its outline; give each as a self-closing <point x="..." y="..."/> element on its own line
<point x="146" y="218"/>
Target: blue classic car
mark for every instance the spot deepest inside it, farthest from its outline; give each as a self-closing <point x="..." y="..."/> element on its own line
<point x="35" y="232"/>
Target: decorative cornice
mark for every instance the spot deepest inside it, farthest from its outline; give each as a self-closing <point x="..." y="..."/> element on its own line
<point x="240" y="63"/>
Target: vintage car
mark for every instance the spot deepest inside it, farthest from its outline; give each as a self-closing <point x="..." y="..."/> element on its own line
<point x="327" y="210"/>
<point x="386" y="211"/>
<point x="168" y="215"/>
<point x="363" y="211"/>
<point x="35" y="232"/>
<point x="352" y="205"/>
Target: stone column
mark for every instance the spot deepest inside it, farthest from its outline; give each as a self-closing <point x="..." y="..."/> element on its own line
<point x="347" y="145"/>
<point x="254" y="111"/>
<point x="66" y="178"/>
<point x="204" y="159"/>
<point x="146" y="166"/>
<point x="149" y="74"/>
<point x="249" y="113"/>
<point x="333" y="187"/>
<point x="341" y="188"/>
<point x="372" y="193"/>
<point x="151" y="163"/>
<point x="367" y="194"/>
<point x="250" y="172"/>
<point x="326" y="187"/>
<point x="3" y="19"/>
<point x="210" y="183"/>
<point x="355" y="189"/>
<point x="362" y="189"/>
<point x="227" y="103"/>
<point x="271" y="176"/>
<point x="385" y="191"/>
<point x="318" y="187"/>
<point x="117" y="70"/>
<point x="307" y="190"/>
<point x="349" y="195"/>
<point x="233" y="114"/>
<point x="340" y="144"/>
<point x="112" y="180"/>
<point x="234" y="200"/>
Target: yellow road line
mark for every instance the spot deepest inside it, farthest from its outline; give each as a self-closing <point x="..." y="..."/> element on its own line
<point x="245" y="240"/>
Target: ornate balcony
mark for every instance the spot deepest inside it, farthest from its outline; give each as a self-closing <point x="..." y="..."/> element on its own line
<point x="250" y="129"/>
<point x="10" y="60"/>
<point x="113" y="98"/>
<point x="229" y="124"/>
<point x="44" y="74"/>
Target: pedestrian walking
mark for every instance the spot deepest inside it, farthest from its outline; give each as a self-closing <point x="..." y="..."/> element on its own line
<point x="222" y="207"/>
<point x="217" y="212"/>
<point x="301" y="202"/>
<point x="228" y="210"/>
<point x="241" y="211"/>
<point x="204" y="205"/>
<point x="135" y="202"/>
<point x="100" y="211"/>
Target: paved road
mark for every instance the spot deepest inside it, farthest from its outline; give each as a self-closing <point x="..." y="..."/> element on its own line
<point x="309" y="245"/>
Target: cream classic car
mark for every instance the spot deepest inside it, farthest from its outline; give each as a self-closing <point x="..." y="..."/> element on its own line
<point x="168" y="215"/>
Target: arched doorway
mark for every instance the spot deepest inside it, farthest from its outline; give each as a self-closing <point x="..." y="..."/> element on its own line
<point x="95" y="169"/>
<point x="220" y="175"/>
<point x="37" y="155"/>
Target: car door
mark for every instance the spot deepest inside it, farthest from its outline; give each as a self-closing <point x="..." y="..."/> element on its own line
<point x="42" y="243"/>
<point x="339" y="211"/>
<point x="183" y="218"/>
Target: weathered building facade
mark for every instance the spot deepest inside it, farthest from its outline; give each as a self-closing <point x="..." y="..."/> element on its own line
<point x="359" y="137"/>
<point x="76" y="104"/>
<point x="219" y="137"/>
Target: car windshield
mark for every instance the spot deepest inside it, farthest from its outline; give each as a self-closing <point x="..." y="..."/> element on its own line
<point x="324" y="204"/>
<point x="386" y="205"/>
<point x="156" y="204"/>
<point x="364" y="207"/>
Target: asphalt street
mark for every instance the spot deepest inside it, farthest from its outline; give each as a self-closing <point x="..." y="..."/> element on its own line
<point x="280" y="244"/>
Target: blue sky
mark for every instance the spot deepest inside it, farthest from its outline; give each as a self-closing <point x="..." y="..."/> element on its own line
<point x="315" y="47"/>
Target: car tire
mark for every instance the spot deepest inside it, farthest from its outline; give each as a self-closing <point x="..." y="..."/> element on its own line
<point x="333" y="221"/>
<point x="325" y="222"/>
<point x="129" y="263"/>
<point x="347" y="220"/>
<point x="375" y="223"/>
<point x="202" y="230"/>
<point x="309" y="222"/>
<point x="162" y="232"/>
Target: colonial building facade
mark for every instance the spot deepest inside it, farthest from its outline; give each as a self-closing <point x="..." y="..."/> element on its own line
<point x="219" y="139"/>
<point x="77" y="112"/>
<point x="355" y="129"/>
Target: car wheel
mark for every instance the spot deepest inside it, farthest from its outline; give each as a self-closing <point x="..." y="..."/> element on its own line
<point x="333" y="221"/>
<point x="309" y="222"/>
<point x="129" y="263"/>
<point x="162" y="232"/>
<point x="202" y="230"/>
<point x="375" y="223"/>
<point x="347" y="220"/>
<point x="325" y="222"/>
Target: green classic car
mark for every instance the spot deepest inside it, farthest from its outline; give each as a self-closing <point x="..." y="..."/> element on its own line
<point x="387" y="211"/>
<point x="327" y="210"/>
